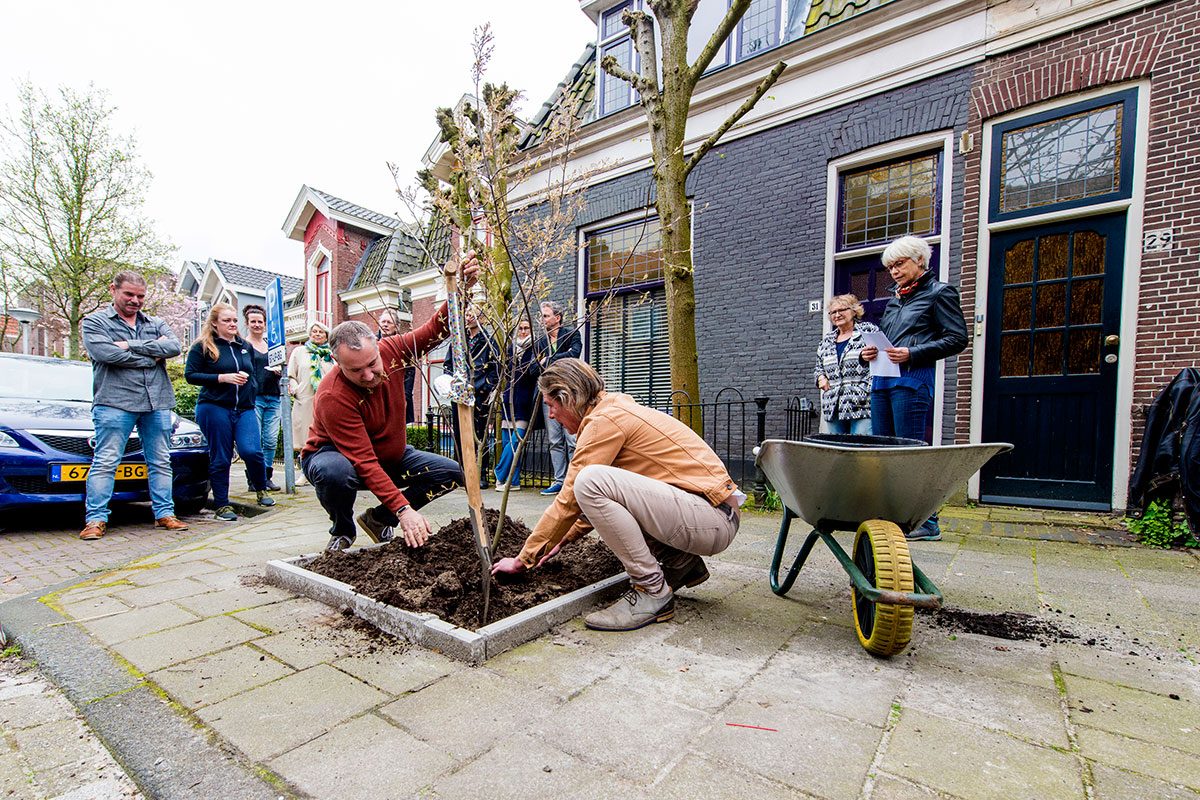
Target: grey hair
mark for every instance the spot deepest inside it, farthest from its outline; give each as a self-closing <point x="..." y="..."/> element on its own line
<point x="573" y="383"/>
<point x="912" y="247"/>
<point x="128" y="276"/>
<point x="350" y="334"/>
<point x="556" y="308"/>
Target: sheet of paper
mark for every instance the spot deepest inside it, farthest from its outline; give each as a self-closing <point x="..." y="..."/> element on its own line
<point x="881" y="366"/>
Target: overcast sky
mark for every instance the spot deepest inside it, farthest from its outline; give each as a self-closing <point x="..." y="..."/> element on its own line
<point x="235" y="105"/>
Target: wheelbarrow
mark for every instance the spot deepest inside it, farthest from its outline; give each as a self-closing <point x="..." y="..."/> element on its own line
<point x="879" y="487"/>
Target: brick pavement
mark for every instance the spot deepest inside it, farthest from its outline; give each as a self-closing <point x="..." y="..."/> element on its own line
<point x="324" y="710"/>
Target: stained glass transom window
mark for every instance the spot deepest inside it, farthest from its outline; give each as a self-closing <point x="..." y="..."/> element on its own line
<point x="885" y="202"/>
<point x="624" y="257"/>
<point x="1065" y="159"/>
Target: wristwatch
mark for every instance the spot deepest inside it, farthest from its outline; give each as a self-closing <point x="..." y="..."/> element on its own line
<point x="401" y="510"/>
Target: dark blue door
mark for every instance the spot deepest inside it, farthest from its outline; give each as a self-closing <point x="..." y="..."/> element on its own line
<point x="1050" y="375"/>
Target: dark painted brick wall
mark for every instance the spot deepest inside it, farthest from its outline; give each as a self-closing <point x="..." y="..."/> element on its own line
<point x="760" y="235"/>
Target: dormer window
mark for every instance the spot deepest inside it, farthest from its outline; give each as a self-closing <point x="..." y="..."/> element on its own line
<point x="615" y="40"/>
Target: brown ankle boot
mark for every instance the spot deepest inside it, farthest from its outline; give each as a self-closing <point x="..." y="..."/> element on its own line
<point x="93" y="530"/>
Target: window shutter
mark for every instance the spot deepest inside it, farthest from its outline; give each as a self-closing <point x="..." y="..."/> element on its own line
<point x="628" y="344"/>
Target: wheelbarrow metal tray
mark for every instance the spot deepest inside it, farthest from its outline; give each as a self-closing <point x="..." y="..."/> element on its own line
<point x="833" y="487"/>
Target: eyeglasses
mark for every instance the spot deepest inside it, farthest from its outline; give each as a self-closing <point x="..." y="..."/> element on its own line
<point x="833" y="312"/>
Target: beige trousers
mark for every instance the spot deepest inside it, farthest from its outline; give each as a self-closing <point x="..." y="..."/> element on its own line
<point x="645" y="521"/>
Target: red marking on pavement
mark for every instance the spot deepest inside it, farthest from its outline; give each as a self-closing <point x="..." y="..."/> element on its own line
<point x="751" y="727"/>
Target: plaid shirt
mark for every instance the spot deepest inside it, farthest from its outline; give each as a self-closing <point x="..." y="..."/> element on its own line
<point x="849" y="395"/>
<point x="133" y="380"/>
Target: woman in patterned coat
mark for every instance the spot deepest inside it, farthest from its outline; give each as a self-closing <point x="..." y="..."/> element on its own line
<point x="842" y="376"/>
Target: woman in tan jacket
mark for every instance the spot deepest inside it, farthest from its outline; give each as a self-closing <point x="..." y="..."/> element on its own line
<point x="654" y="491"/>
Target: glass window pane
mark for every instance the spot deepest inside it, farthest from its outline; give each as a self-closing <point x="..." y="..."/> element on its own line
<point x="1089" y="254"/>
<point x="1064" y="159"/>
<point x="624" y="257"/>
<point x="1014" y="355"/>
<point x="1087" y="298"/>
<point x="1052" y="256"/>
<point x="614" y="92"/>
<point x="1047" y="353"/>
<point x="1083" y="352"/>
<point x="628" y="344"/>
<point x="1018" y="263"/>
<point x="758" y="29"/>
<point x="1051" y="305"/>
<point x="611" y="24"/>
<point x="1018" y="308"/>
<point x="888" y="201"/>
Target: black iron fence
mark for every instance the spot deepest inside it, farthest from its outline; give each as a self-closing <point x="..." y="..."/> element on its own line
<point x="733" y="425"/>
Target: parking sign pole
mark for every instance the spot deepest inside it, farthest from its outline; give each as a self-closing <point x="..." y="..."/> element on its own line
<point x="276" y="355"/>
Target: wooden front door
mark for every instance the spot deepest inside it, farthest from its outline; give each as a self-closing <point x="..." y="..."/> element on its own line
<point x="1051" y="373"/>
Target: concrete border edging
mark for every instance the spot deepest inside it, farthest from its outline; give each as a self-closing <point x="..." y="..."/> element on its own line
<point x="431" y="631"/>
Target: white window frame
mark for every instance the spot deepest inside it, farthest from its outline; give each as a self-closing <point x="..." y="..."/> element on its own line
<point x="891" y="151"/>
<point x="1130" y="281"/>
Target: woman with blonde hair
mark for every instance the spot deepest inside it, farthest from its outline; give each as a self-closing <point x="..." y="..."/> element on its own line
<point x="842" y="376"/>
<point x="306" y="366"/>
<point x="221" y="363"/>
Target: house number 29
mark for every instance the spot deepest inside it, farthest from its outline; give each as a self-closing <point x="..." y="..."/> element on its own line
<point x="1158" y="241"/>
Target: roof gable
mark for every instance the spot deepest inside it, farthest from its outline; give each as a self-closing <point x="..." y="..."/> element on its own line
<point x="310" y="200"/>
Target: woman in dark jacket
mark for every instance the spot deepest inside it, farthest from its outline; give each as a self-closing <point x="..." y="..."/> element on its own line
<point x="221" y="363"/>
<point x="519" y="379"/>
<point x="924" y="322"/>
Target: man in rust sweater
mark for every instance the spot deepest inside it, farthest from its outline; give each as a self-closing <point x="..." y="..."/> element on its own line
<point x="358" y="438"/>
<point x="654" y="491"/>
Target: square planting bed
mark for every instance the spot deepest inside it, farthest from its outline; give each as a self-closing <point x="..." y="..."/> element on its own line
<point x="428" y="630"/>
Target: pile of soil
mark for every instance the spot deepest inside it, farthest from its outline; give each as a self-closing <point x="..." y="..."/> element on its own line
<point x="1010" y="625"/>
<point x="443" y="577"/>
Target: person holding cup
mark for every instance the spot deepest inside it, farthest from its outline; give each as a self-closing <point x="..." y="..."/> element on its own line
<point x="221" y="363"/>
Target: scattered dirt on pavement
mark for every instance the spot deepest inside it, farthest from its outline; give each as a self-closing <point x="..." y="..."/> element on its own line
<point x="1010" y="625"/>
<point x="443" y="577"/>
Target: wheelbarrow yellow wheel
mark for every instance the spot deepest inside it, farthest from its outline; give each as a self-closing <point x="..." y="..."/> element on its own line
<point x="881" y="552"/>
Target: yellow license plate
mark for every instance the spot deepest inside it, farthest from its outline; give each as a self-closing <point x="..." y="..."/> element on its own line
<point x="77" y="473"/>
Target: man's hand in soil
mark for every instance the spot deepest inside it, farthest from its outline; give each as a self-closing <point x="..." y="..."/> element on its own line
<point x="508" y="566"/>
<point x="414" y="527"/>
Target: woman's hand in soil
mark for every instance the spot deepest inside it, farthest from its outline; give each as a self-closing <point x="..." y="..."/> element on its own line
<point x="414" y="527"/>
<point x="508" y="566"/>
<point x="551" y="554"/>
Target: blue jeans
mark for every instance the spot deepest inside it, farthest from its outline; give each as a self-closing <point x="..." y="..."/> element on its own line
<point x="266" y="408"/>
<point x="510" y="440"/>
<point x="113" y="427"/>
<point x="857" y="427"/>
<point x="562" y="446"/>
<point x="224" y="428"/>
<point x="902" y="411"/>
<point x="423" y="476"/>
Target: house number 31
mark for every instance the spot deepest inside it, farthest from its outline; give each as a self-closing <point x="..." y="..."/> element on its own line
<point x="1158" y="241"/>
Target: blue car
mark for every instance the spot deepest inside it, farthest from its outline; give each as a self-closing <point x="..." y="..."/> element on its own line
<point x="46" y="440"/>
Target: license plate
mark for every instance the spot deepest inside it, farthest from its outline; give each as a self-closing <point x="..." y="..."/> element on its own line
<point x="77" y="473"/>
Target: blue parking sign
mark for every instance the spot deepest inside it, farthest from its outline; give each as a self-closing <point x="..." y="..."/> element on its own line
<point x="276" y="344"/>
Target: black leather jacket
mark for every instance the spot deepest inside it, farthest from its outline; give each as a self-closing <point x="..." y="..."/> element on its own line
<point x="929" y="322"/>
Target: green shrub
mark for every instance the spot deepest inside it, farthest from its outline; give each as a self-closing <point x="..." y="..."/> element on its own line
<point x="418" y="437"/>
<point x="1159" y="527"/>
<point x="185" y="397"/>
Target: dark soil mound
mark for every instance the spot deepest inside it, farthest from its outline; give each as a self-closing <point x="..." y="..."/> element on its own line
<point x="1009" y="625"/>
<point x="443" y="577"/>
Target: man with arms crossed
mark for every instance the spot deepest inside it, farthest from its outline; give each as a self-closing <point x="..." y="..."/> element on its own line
<point x="130" y="388"/>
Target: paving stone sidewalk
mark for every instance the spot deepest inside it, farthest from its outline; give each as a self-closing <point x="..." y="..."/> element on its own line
<point x="744" y="694"/>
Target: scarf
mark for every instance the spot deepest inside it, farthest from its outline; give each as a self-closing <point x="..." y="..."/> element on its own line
<point x="319" y="355"/>
<point x="908" y="288"/>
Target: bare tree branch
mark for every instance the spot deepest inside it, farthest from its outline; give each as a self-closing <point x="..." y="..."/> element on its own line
<point x="766" y="83"/>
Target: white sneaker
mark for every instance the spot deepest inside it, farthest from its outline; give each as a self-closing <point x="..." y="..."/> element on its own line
<point x="500" y="487"/>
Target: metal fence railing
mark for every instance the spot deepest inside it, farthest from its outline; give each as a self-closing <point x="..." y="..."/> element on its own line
<point x="733" y="425"/>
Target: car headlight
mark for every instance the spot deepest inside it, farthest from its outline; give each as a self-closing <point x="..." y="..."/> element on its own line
<point x="181" y="440"/>
<point x="8" y="441"/>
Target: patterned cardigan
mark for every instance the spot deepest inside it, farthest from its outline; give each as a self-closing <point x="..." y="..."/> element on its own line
<point x="849" y="395"/>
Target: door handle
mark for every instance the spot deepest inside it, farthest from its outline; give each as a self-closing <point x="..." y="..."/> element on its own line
<point x="1112" y="340"/>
